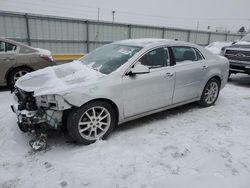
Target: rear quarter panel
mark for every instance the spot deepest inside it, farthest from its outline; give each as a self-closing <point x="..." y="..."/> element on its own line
<point x="217" y="66"/>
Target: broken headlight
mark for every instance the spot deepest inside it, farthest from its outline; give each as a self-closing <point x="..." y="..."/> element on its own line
<point x="55" y="102"/>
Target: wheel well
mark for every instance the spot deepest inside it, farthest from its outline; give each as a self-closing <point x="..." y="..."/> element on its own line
<point x="111" y="103"/>
<point x="217" y="78"/>
<point x="14" y="68"/>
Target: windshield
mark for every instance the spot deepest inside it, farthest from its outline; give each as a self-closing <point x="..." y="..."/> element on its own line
<point x="110" y="57"/>
<point x="246" y="38"/>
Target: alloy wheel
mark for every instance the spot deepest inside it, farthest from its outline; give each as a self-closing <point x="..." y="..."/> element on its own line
<point x="94" y="123"/>
<point x="19" y="74"/>
<point x="211" y="92"/>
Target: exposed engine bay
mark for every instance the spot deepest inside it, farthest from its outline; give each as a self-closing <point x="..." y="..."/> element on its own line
<point x="37" y="114"/>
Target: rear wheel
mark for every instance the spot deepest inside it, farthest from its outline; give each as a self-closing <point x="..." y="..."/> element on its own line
<point x="16" y="74"/>
<point x="91" y="122"/>
<point x="210" y="93"/>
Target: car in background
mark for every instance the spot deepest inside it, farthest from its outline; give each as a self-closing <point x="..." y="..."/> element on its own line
<point x="215" y="47"/>
<point x="238" y="55"/>
<point x="117" y="83"/>
<point x="17" y="59"/>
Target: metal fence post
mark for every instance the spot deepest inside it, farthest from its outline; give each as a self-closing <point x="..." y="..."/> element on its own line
<point x="87" y="35"/>
<point x="163" y="33"/>
<point x="209" y="37"/>
<point x="27" y="28"/>
<point x="129" y="31"/>
<point x="188" y="37"/>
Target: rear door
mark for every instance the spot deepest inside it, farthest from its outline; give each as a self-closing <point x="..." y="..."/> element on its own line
<point x="190" y="72"/>
<point x="7" y="58"/>
<point x="150" y="91"/>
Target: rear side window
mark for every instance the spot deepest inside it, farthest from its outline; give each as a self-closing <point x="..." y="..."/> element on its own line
<point x="199" y="55"/>
<point x="7" y="47"/>
<point x="10" y="47"/>
<point x="156" y="58"/>
<point x="183" y="53"/>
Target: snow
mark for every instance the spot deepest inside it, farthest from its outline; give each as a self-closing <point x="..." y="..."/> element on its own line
<point x="243" y="43"/>
<point x="43" y="51"/>
<point x="182" y="147"/>
<point x="61" y="78"/>
<point x="215" y="47"/>
<point x="143" y="41"/>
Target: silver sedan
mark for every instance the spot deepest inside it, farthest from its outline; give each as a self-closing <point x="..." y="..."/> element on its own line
<point x="117" y="83"/>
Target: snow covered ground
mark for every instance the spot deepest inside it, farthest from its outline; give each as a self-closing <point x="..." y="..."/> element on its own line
<point x="183" y="147"/>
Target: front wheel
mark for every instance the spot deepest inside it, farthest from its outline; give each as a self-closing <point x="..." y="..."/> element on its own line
<point x="210" y="93"/>
<point x="91" y="122"/>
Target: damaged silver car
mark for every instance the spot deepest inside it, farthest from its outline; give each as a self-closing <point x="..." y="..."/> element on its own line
<point x="117" y="83"/>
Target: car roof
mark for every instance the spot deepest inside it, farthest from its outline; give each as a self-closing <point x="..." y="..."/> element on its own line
<point x="8" y="40"/>
<point x="14" y="42"/>
<point x="145" y="42"/>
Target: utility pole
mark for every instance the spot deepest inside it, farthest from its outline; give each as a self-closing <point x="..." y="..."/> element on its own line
<point x="98" y="15"/>
<point x="97" y="32"/>
<point x="197" y="28"/>
<point x="113" y="16"/>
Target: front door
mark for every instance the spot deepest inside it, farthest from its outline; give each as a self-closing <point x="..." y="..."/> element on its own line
<point x="150" y="91"/>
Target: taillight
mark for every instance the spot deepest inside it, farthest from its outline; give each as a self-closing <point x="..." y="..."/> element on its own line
<point x="46" y="57"/>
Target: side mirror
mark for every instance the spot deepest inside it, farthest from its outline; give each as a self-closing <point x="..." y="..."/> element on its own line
<point x="139" y="69"/>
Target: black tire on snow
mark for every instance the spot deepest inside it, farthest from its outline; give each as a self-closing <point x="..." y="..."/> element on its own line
<point x="75" y="115"/>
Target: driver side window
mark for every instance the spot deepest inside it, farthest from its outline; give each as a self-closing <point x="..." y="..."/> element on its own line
<point x="156" y="58"/>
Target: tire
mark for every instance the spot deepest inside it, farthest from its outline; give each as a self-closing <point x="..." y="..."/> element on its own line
<point x="22" y="127"/>
<point x="210" y="93"/>
<point x="85" y="125"/>
<point x="16" y="74"/>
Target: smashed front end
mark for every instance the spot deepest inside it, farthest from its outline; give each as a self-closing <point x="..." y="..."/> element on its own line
<point x="40" y="113"/>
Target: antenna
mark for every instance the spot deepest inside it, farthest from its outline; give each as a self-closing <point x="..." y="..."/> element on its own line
<point x="197" y="29"/>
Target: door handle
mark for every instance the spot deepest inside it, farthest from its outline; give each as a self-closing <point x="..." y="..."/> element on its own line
<point x="205" y="67"/>
<point x="169" y="74"/>
<point x="8" y="58"/>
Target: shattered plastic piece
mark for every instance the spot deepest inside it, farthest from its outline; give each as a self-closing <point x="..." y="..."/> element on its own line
<point x="39" y="143"/>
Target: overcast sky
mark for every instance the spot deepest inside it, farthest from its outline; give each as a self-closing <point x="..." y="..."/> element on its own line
<point x="222" y="14"/>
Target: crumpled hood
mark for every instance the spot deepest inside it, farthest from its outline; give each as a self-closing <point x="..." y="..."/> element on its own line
<point x="56" y="79"/>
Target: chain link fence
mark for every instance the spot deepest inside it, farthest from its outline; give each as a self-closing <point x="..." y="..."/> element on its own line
<point x="68" y="35"/>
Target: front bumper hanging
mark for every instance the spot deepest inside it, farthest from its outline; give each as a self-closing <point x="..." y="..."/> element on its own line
<point x="33" y="121"/>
